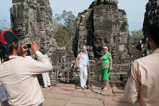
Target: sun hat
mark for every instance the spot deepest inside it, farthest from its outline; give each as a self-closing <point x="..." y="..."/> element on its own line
<point x="105" y="47"/>
<point x="84" y="46"/>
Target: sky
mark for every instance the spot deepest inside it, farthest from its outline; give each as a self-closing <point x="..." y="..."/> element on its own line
<point x="135" y="9"/>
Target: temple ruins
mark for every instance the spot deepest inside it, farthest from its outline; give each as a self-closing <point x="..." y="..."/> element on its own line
<point x="103" y="24"/>
<point x="32" y="19"/>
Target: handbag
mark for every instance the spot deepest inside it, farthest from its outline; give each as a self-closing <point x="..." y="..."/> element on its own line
<point x="104" y="65"/>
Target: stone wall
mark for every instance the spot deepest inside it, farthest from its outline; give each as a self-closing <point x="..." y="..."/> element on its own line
<point x="32" y="19"/>
<point x="103" y="24"/>
<point x="151" y="15"/>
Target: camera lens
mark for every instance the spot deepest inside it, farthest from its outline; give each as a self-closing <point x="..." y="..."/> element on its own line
<point x="28" y="45"/>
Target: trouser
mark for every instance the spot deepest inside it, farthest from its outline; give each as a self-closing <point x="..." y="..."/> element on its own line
<point x="46" y="79"/>
<point x="3" y="95"/>
<point x="83" y="75"/>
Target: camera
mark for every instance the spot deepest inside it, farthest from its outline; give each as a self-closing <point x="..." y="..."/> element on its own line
<point x="28" y="45"/>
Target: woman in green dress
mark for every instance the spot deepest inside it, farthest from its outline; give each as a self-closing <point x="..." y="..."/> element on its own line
<point x="106" y="62"/>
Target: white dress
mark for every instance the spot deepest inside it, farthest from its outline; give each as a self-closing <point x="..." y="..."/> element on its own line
<point x="83" y="62"/>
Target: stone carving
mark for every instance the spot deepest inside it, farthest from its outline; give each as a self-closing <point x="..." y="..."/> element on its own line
<point x="103" y="24"/>
<point x="98" y="2"/>
<point x="151" y="15"/>
<point x="32" y="19"/>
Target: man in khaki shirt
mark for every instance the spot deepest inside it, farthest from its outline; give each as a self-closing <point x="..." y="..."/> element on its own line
<point x="18" y="73"/>
<point x="143" y="82"/>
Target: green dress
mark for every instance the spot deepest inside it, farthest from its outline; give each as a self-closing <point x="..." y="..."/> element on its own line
<point x="105" y="66"/>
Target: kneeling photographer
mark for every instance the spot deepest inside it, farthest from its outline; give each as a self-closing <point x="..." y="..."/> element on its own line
<point x="18" y="73"/>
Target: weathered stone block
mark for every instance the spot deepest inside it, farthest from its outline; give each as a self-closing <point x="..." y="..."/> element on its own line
<point x="103" y="24"/>
<point x="33" y="19"/>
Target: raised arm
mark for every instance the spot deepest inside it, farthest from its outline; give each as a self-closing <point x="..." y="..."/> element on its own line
<point x="36" y="67"/>
<point x="92" y="61"/>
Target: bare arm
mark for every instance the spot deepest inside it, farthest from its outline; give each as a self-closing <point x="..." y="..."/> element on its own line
<point x="77" y="61"/>
<point x="111" y="60"/>
<point x="92" y="61"/>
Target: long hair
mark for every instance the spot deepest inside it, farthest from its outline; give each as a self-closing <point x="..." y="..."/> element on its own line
<point x="6" y="50"/>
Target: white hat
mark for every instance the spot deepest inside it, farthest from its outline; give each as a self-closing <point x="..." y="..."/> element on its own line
<point x="84" y="46"/>
<point x="105" y="47"/>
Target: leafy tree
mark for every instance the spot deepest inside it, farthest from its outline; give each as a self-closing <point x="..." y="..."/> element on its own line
<point x="68" y="20"/>
<point x="135" y="36"/>
<point x="62" y="38"/>
<point x="4" y="25"/>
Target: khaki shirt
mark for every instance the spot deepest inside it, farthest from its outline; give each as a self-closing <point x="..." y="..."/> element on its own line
<point x="143" y="83"/>
<point x="18" y="76"/>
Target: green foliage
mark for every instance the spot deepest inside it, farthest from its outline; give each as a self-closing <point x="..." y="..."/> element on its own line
<point x="64" y="29"/>
<point x="62" y="38"/>
<point x="135" y="36"/>
<point x="68" y="20"/>
<point x="4" y="25"/>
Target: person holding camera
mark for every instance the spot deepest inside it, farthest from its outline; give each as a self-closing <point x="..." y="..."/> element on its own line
<point x="18" y="73"/>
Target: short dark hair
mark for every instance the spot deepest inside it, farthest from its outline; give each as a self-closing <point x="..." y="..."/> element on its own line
<point x="154" y="32"/>
<point x="42" y="50"/>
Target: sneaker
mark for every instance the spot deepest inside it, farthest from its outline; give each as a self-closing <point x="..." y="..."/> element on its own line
<point x="106" y="88"/>
<point x="83" y="88"/>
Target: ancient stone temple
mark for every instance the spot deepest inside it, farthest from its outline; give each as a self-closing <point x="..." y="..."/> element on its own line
<point x="32" y="19"/>
<point x="103" y="24"/>
<point x="151" y="15"/>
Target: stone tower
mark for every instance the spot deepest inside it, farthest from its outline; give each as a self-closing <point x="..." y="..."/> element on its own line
<point x="32" y="19"/>
<point x="103" y="24"/>
<point x="151" y="16"/>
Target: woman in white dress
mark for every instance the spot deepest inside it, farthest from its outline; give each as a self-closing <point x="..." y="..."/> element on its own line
<point x="82" y="63"/>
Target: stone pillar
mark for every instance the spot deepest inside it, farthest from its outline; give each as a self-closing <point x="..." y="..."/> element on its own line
<point x="32" y="19"/>
<point x="151" y="15"/>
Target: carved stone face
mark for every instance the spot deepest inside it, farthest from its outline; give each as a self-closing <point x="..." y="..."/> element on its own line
<point x="99" y="42"/>
<point x="20" y="29"/>
<point x="102" y="29"/>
